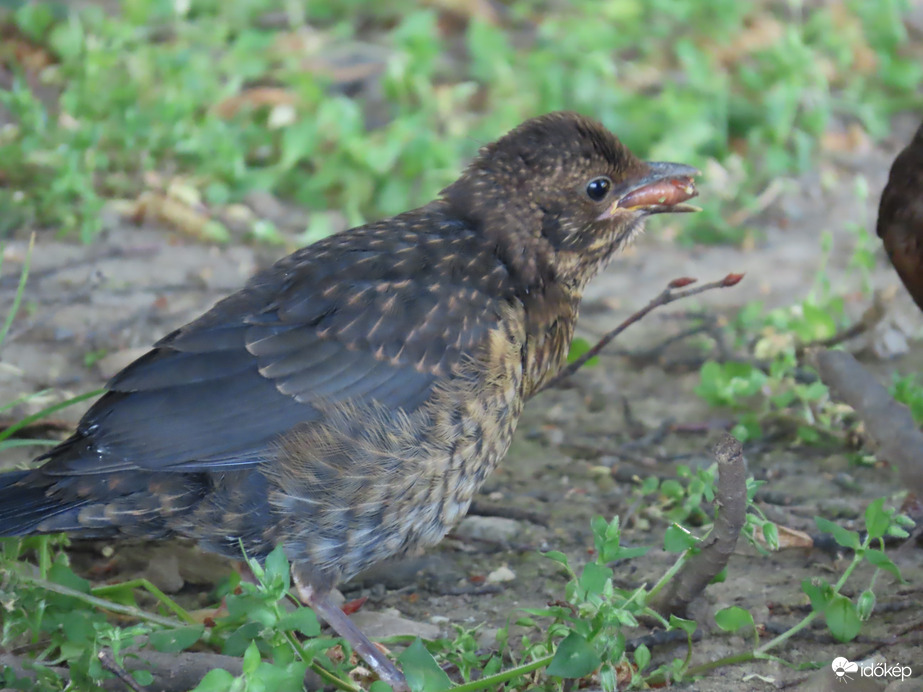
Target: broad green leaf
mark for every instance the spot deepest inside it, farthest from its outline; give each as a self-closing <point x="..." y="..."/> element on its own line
<point x="733" y="619"/>
<point x="677" y="539"/>
<point x="687" y="626"/>
<point x="421" y="670"/>
<point x="143" y="677"/>
<point x="624" y="553"/>
<point x="240" y="639"/>
<point x="252" y="659"/>
<point x="642" y="657"/>
<point x="844" y="537"/>
<point x="179" y="639"/>
<point x="594" y="577"/>
<point x="216" y="680"/>
<point x="771" y="535"/>
<point x="819" y="591"/>
<point x="277" y="566"/>
<point x="303" y="620"/>
<point x="64" y="575"/>
<point x="877" y="520"/>
<point x="579" y="347"/>
<point x="882" y="561"/>
<point x="557" y="556"/>
<point x="843" y="618"/>
<point x="649" y="485"/>
<point x="672" y="489"/>
<point x="574" y="658"/>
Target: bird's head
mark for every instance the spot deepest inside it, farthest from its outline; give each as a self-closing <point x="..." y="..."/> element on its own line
<point x="560" y="194"/>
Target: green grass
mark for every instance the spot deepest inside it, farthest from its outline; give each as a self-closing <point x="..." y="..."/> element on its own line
<point x="752" y="86"/>
<point x="58" y="616"/>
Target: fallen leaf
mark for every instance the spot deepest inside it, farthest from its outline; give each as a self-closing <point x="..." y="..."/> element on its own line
<point x="257" y="97"/>
<point x="354" y="605"/>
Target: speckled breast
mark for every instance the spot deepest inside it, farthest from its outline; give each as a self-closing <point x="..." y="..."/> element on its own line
<point x="378" y="483"/>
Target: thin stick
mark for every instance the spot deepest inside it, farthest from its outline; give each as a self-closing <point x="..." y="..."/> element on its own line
<point x="889" y="423"/>
<point x="669" y="295"/>
<point x="100" y="603"/>
<point x="109" y="663"/>
<point x="714" y="552"/>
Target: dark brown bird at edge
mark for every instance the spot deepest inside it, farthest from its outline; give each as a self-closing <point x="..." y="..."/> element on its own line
<point x="900" y="216"/>
<point x="351" y="399"/>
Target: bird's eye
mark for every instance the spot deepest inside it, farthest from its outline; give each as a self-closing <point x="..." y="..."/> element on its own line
<point x="598" y="188"/>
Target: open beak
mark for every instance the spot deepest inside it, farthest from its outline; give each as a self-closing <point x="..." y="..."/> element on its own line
<point x="664" y="189"/>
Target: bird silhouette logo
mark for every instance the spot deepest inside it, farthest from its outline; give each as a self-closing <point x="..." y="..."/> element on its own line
<point x="842" y="668"/>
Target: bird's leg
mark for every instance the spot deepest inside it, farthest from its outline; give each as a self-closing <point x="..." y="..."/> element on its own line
<point x="342" y="625"/>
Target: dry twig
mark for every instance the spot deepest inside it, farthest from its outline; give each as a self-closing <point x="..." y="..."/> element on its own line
<point x="731" y="501"/>
<point x="486" y="509"/>
<point x="109" y="663"/>
<point x="670" y="294"/>
<point x="889" y="423"/>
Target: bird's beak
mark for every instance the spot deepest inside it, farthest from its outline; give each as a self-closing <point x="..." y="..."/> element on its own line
<point x="664" y="189"/>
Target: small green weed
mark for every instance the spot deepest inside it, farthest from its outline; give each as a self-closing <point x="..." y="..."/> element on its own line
<point x="59" y="619"/>
<point x="842" y="615"/>
<point x="908" y="390"/>
<point x="771" y="383"/>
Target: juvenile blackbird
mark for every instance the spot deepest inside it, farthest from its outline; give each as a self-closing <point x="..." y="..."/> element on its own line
<point x="900" y="216"/>
<point x="350" y="400"/>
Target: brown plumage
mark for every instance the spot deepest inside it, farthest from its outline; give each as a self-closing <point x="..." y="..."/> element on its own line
<point x="350" y="400"/>
<point x="900" y="216"/>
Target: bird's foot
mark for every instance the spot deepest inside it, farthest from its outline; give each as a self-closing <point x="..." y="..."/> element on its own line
<point x="380" y="664"/>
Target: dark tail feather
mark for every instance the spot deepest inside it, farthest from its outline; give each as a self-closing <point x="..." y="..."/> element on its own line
<point x="25" y="507"/>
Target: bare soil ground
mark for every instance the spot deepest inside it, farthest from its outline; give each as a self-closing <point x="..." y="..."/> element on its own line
<point x="576" y="449"/>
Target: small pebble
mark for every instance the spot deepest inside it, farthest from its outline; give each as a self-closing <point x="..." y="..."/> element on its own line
<point x="480" y="528"/>
<point x="554" y="437"/>
<point x="500" y="575"/>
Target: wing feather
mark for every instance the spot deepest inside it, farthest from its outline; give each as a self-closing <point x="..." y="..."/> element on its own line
<point x="318" y="328"/>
